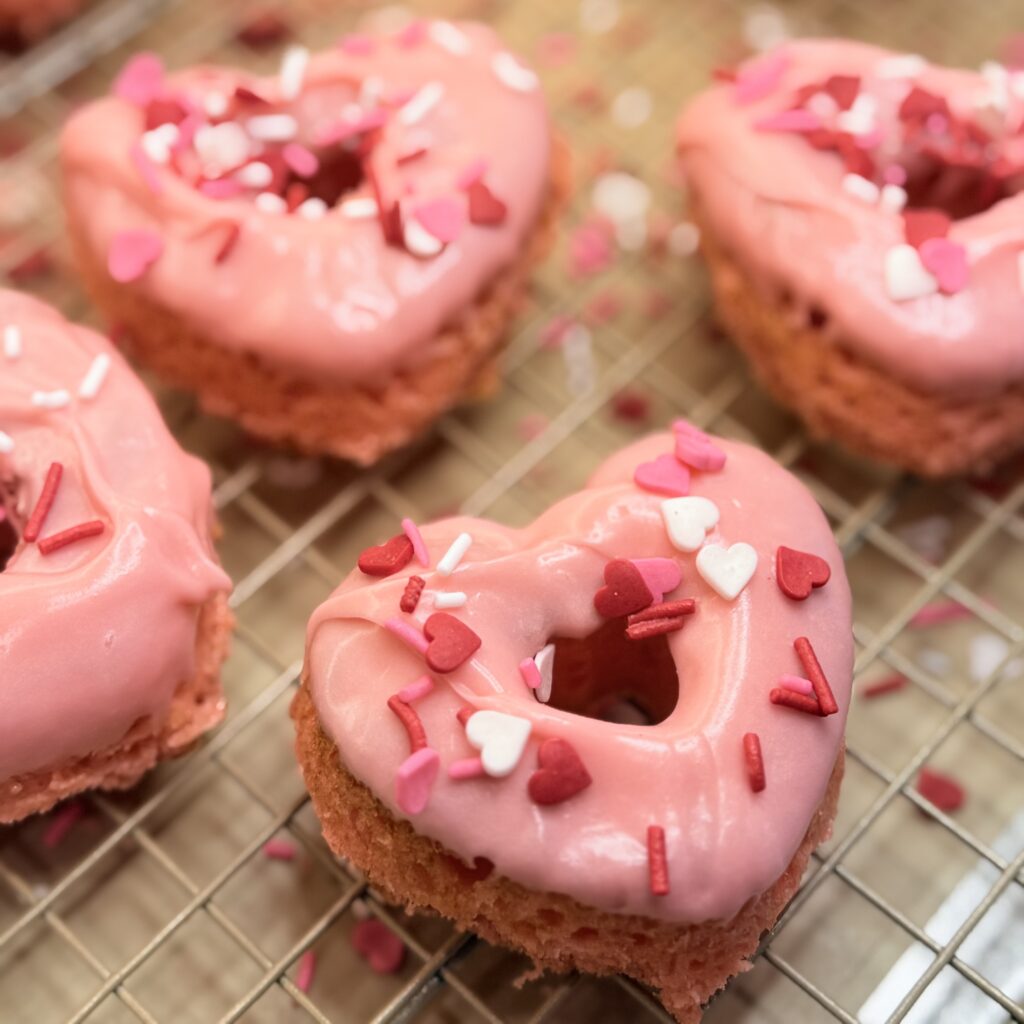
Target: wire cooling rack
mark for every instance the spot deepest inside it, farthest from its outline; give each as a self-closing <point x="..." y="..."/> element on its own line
<point x="162" y="906"/>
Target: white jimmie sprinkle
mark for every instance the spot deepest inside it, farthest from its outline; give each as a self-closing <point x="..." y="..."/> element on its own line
<point x="450" y="559"/>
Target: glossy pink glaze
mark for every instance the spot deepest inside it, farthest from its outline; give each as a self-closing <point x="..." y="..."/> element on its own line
<point x="778" y="205"/>
<point x="687" y="774"/>
<point x="327" y="297"/>
<point x="100" y="633"/>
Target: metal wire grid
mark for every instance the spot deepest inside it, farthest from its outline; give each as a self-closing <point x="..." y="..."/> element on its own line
<point x="286" y="557"/>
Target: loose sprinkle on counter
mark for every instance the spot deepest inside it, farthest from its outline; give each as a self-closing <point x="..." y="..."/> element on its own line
<point x="657" y="862"/>
<point x="306" y="971"/>
<point x="44" y="503"/>
<point x="412" y="593"/>
<point x="279" y="849"/>
<point x="822" y="690"/>
<point x="755" y="761"/>
<point x="938" y="612"/>
<point x="410" y="721"/>
<point x="943" y="791"/>
<point x="56" y="541"/>
<point x="94" y="377"/>
<point x="450" y="559"/>
<point x="890" y="684"/>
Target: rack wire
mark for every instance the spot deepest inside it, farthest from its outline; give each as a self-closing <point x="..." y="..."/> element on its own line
<point x="160" y="905"/>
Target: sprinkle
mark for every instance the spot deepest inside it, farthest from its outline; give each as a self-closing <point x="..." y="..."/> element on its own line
<point x="272" y="127"/>
<point x="727" y="570"/>
<point x="222" y="188"/>
<point x="221" y="147"/>
<point x="986" y="652"/>
<point x="654" y="627"/>
<point x="422" y="103"/>
<point x="485" y="208"/>
<point x="357" y="44"/>
<point x="158" y="142"/>
<point x="449" y="38"/>
<point x="415" y="779"/>
<point x="94" y="377"/>
<point x="364" y="208"/>
<point x="62" y="821"/>
<point x="293" y="71"/>
<point x="545" y="661"/>
<point x="379" y="946"/>
<point x="146" y="169"/>
<point x="797" y="573"/>
<point x="451" y="642"/>
<point x="512" y="73"/>
<point x="141" y="80"/>
<point x="893" y="198"/>
<point x="301" y="160"/>
<point x="861" y="188"/>
<point x="412" y="34"/>
<point x="599" y="16"/>
<point x="760" y="78"/>
<point x="412" y="636"/>
<point x="471" y="173"/>
<point x="890" y="684"/>
<point x="279" y="849"/>
<point x="44" y="502"/>
<point x="306" y="971"/>
<point x="908" y="65"/>
<point x="632" y="107"/>
<point x="255" y="175"/>
<point x="942" y="791"/>
<point x="755" y="761"/>
<point x="131" y="254"/>
<point x="450" y="559"/>
<point x="419" y="241"/>
<point x="937" y="612"/>
<point x="12" y="341"/>
<point x="947" y="261"/>
<point x="560" y="775"/>
<point x="270" y="202"/>
<point x="530" y="673"/>
<point x="796" y="701"/>
<point x="905" y="275"/>
<point x="798" y="120"/>
<point x="467" y="768"/>
<point x="443" y="218"/>
<point x="809" y="660"/>
<point x="6" y="443"/>
<point x="422" y="687"/>
<point x="412" y="593"/>
<point x="665" y="610"/>
<point x="500" y="738"/>
<point x="313" y="208"/>
<point x="631" y="406"/>
<point x="410" y="721"/>
<point x="230" y="238"/>
<point x="93" y="528"/>
<point x="657" y="863"/>
<point x="419" y="548"/>
<point x="797" y="684"/>
<point x="453" y="599"/>
<point x="464" y="714"/>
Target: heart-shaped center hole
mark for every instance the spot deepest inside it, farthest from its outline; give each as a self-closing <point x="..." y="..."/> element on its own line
<point x="611" y="678"/>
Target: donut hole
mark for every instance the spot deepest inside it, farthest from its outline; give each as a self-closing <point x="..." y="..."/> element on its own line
<point x="957" y="190"/>
<point x="611" y="678"/>
<point x="8" y="539"/>
<point x="340" y="172"/>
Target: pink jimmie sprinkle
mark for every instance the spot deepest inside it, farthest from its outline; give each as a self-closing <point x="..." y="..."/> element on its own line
<point x="302" y="161"/>
<point x="467" y="768"/>
<point x="797" y="684"/>
<point x="412" y="636"/>
<point x="419" y="689"/>
<point x="471" y="173"/>
<point x="789" y="121"/>
<point x="306" y="971"/>
<point x="357" y="44"/>
<point x="530" y="673"/>
<point x="62" y="822"/>
<point x="938" y="612"/>
<point x="419" y="548"/>
<point x="894" y="174"/>
<point x="279" y="849"/>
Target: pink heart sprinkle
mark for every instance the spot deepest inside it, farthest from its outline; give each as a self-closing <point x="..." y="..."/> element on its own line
<point x="131" y="254"/>
<point x="301" y="160"/>
<point x="415" y="779"/>
<point x="789" y="121"/>
<point x="696" y="449"/>
<point x="947" y="261"/>
<point x="760" y="78"/>
<point x="665" y="475"/>
<point x="443" y="218"/>
<point x="471" y="173"/>
<point x="141" y="80"/>
<point x="662" y="575"/>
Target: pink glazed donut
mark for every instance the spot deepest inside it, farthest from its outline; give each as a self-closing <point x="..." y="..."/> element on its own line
<point x="610" y="739"/>
<point x="331" y="254"/>
<point x="112" y="603"/>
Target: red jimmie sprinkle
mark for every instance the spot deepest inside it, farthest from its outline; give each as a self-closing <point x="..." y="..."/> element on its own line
<point x="890" y="684"/>
<point x="230" y="239"/>
<point x="755" y="761"/>
<point x="797" y="701"/>
<point x="411" y="722"/>
<point x="665" y="610"/>
<point x="411" y="594"/>
<point x="656" y="861"/>
<point x="809" y="660"/>
<point x="654" y="627"/>
<point x="55" y="541"/>
<point x="45" y="502"/>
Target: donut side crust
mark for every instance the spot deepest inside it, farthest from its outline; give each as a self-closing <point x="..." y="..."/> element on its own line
<point x="196" y="707"/>
<point x="841" y="396"/>
<point x="687" y="964"/>
<point x="354" y="422"/>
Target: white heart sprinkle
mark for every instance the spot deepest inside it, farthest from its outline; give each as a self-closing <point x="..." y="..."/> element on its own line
<point x="272" y="127"/>
<point x="500" y="738"/>
<point x="512" y="73"/>
<point x="906" y="276"/>
<point x="727" y="570"/>
<point x="419" y="241"/>
<point x="221" y="147"/>
<point x="544" y="659"/>
<point x="687" y="520"/>
<point x="908" y="65"/>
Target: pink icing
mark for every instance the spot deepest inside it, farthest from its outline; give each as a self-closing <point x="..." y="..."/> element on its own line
<point x="99" y="633"/>
<point x="779" y="206"/>
<point x="688" y="774"/>
<point x="328" y="297"/>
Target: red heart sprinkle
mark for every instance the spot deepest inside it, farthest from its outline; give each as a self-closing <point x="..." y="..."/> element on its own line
<point x="919" y="103"/>
<point x="378" y="945"/>
<point x="561" y="773"/>
<point x="625" y="592"/>
<point x="944" y="792"/>
<point x="484" y="206"/>
<point x="797" y="572"/>
<point x="843" y="89"/>
<point x="385" y="559"/>
<point x="451" y="642"/>
<point x="920" y="225"/>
